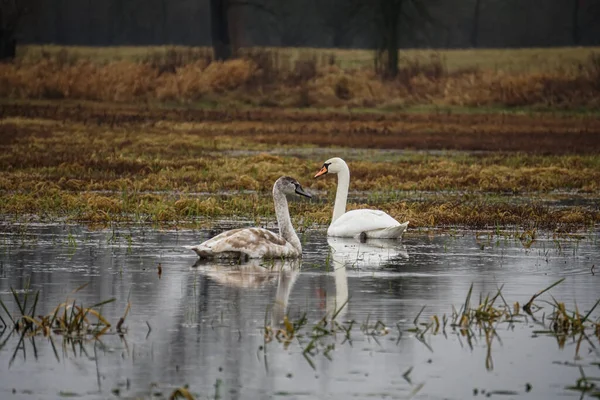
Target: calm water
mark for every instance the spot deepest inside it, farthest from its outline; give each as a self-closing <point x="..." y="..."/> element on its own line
<point x="203" y="325"/>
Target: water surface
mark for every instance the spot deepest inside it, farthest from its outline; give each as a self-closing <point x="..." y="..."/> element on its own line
<point x="204" y="324"/>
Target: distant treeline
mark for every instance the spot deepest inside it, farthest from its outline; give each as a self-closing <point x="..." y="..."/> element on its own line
<point x="314" y="23"/>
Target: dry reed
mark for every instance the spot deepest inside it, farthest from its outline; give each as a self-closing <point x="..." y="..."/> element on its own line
<point x="266" y="78"/>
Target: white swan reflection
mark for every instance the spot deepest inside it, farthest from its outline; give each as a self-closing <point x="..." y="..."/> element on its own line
<point x="350" y="253"/>
<point x="371" y="254"/>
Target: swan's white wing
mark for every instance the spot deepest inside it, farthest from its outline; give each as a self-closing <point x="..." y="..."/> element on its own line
<point x="355" y="222"/>
<point x="254" y="242"/>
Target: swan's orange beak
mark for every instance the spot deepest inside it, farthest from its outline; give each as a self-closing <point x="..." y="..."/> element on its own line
<point x="322" y="171"/>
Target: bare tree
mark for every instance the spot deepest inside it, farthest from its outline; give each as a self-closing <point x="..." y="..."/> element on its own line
<point x="223" y="16"/>
<point x="11" y="14"/>
<point x="475" y="25"/>
<point x="390" y="16"/>
<point x="339" y="18"/>
<point x="593" y="18"/>
<point x="219" y="24"/>
<point x="287" y="23"/>
<point x="575" y="28"/>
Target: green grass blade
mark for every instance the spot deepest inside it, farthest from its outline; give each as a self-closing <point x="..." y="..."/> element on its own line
<point x="418" y="315"/>
<point x="310" y="362"/>
<point x="33" y="307"/>
<point x="26" y="289"/>
<point x="590" y="312"/>
<point x="81" y="287"/>
<point x="7" y="313"/>
<point x="558" y="282"/>
<point x="103" y="303"/>
<point x="468" y="300"/>
<point x="17" y="301"/>
<point x="340" y="309"/>
<point x="527" y="307"/>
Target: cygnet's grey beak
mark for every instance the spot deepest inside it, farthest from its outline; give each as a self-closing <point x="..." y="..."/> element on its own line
<point x="301" y="191"/>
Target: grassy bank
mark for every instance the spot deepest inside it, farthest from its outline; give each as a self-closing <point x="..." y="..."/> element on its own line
<point x="546" y="79"/>
<point x="101" y="164"/>
<point x="509" y="60"/>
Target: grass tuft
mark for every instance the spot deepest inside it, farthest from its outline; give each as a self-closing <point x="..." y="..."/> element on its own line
<point x="68" y="319"/>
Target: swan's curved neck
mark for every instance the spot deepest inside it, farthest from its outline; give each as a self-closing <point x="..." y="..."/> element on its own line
<point x="339" y="303"/>
<point x="286" y="229"/>
<point x="341" y="196"/>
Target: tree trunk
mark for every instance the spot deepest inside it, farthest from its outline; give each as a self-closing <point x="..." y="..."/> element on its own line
<point x="337" y="38"/>
<point x="114" y="13"/>
<point x="475" y="26"/>
<point x="391" y="14"/>
<point x="575" y="34"/>
<point x="8" y="45"/>
<point x="221" y="41"/>
<point x="236" y="29"/>
<point x="163" y="23"/>
<point x="59" y="23"/>
<point x="392" y="50"/>
<point x="91" y="26"/>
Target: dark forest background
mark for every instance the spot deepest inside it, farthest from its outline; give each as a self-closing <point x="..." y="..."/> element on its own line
<point x="310" y="23"/>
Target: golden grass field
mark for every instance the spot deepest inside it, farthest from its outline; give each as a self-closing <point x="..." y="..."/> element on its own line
<point x="533" y="79"/>
<point x="482" y="139"/>
<point x="100" y="164"/>
<point x="509" y="60"/>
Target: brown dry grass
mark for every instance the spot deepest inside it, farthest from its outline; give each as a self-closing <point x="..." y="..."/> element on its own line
<point x="536" y="133"/>
<point x="265" y="77"/>
<point x="509" y="60"/>
<point x="103" y="164"/>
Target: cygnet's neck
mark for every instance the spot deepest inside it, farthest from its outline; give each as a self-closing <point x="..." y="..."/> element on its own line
<point x="286" y="229"/>
<point x="285" y="282"/>
<point x="341" y="195"/>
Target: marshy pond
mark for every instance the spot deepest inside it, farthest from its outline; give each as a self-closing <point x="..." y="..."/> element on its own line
<point x="364" y="320"/>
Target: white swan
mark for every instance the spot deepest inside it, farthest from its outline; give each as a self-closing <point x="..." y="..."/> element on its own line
<point x="363" y="224"/>
<point x="245" y="243"/>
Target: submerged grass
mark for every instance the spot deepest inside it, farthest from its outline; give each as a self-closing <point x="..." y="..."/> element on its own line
<point x="472" y="321"/>
<point x="99" y="165"/>
<point x="68" y="319"/>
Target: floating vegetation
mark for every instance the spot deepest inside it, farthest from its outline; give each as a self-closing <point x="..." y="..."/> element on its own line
<point x="182" y="393"/>
<point x="586" y="385"/>
<point x="320" y="339"/>
<point x="471" y="321"/>
<point x="72" y="321"/>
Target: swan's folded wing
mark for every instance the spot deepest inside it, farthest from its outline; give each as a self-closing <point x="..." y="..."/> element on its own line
<point x="355" y="222"/>
<point x="255" y="242"/>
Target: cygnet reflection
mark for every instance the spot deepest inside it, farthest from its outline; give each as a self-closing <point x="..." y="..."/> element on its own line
<point x="258" y="273"/>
